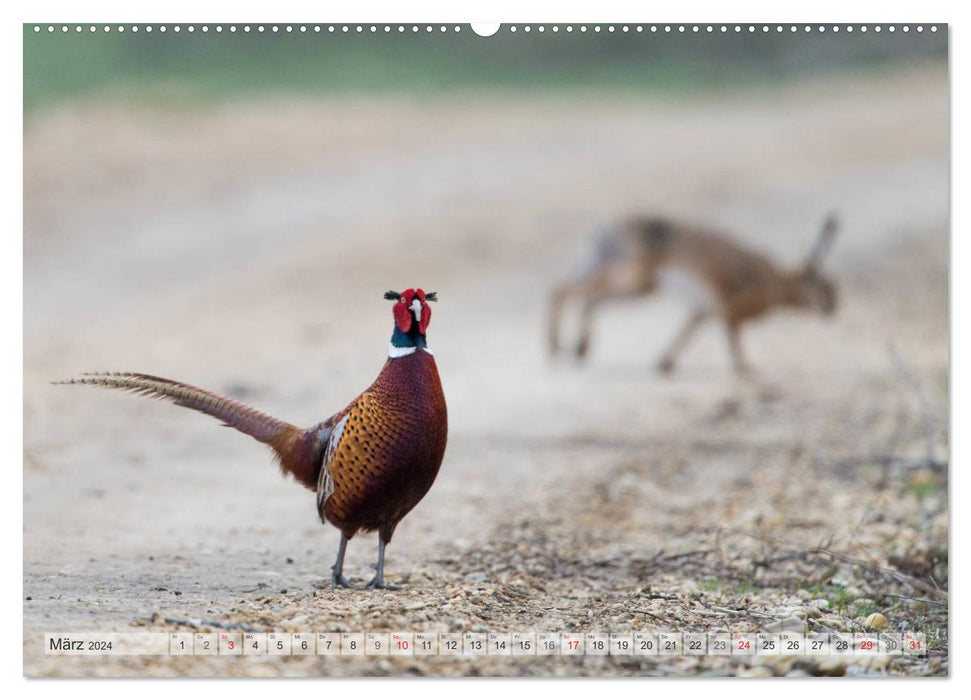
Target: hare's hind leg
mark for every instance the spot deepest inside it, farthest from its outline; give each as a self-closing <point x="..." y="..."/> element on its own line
<point x="590" y="304"/>
<point x="742" y="367"/>
<point x="666" y="364"/>
<point x="594" y="292"/>
<point x="557" y="300"/>
<point x="609" y="284"/>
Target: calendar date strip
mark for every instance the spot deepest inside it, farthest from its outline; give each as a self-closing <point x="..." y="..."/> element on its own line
<point x="466" y="644"/>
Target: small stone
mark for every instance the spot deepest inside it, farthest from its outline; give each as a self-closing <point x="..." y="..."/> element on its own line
<point x="876" y="621"/>
<point x="831" y="666"/>
<point x="688" y="586"/>
<point x="788" y="624"/>
<point x="756" y="672"/>
<point x="820" y="603"/>
<point x="833" y="622"/>
<point x="874" y="663"/>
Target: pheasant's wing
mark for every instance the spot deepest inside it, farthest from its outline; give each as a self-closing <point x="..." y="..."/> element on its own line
<point x="330" y="438"/>
<point x="298" y="451"/>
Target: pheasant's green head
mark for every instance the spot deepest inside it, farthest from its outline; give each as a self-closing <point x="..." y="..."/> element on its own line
<point x="412" y="314"/>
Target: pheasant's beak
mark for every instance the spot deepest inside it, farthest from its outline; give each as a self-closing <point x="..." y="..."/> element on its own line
<point x="416" y="308"/>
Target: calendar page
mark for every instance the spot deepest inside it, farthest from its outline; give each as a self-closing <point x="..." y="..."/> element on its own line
<point x="547" y="349"/>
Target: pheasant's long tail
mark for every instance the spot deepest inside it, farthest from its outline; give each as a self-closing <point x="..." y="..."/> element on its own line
<point x="298" y="450"/>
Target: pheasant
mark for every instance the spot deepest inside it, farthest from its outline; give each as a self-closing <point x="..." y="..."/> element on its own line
<point x="371" y="462"/>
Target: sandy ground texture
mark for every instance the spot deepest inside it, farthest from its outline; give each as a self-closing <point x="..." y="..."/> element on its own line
<point x="245" y="248"/>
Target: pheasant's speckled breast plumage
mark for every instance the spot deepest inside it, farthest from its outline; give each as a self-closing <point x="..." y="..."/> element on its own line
<point x="388" y="446"/>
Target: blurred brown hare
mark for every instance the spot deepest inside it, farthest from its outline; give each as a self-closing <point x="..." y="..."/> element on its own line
<point x="716" y="276"/>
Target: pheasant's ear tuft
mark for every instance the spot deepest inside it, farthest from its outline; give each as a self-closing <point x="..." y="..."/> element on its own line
<point x="431" y="296"/>
<point x="392" y="295"/>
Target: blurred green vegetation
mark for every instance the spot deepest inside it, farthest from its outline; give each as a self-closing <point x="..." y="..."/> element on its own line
<point x="212" y="66"/>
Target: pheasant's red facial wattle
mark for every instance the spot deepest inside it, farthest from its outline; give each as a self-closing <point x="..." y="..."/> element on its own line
<point x="411" y="307"/>
<point x="402" y="317"/>
<point x="426" y="316"/>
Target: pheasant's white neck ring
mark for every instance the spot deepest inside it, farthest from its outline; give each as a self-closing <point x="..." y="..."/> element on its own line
<point x="395" y="352"/>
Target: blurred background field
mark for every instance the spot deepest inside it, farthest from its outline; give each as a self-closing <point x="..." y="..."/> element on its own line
<point x="227" y="209"/>
<point x="212" y="66"/>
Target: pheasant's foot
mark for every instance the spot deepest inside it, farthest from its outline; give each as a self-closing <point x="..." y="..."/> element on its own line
<point x="379" y="583"/>
<point x="340" y="582"/>
<point x="337" y="579"/>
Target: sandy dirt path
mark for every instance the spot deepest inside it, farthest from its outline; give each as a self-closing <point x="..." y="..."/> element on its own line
<point x="244" y="249"/>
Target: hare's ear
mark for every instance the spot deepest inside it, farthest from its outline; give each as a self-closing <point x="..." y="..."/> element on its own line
<point x="824" y="241"/>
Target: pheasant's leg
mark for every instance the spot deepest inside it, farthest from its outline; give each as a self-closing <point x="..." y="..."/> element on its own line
<point x="666" y="363"/>
<point x="378" y="580"/>
<point x="337" y="580"/>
